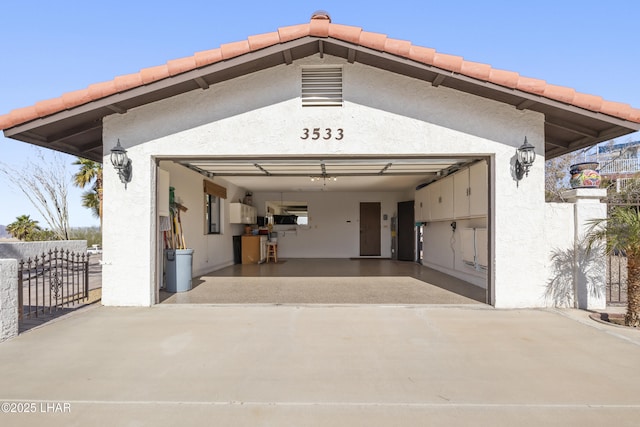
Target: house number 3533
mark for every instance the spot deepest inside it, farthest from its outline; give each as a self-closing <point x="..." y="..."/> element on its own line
<point x="326" y="133"/>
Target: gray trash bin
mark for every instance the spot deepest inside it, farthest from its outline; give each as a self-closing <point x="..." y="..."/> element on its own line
<point x="179" y="269"/>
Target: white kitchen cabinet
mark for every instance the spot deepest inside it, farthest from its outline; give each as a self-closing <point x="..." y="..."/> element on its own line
<point x="263" y="248"/>
<point x="239" y="213"/>
<point x="441" y="199"/>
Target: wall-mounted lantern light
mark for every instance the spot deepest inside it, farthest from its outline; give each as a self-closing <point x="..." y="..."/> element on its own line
<point x="525" y="155"/>
<point x="121" y="163"/>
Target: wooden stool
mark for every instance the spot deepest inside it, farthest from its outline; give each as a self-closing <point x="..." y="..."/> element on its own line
<point x="272" y="251"/>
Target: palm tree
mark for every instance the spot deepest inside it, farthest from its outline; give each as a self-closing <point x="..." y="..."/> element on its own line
<point x="91" y="200"/>
<point x="23" y="227"/>
<point x="621" y="232"/>
<point x="90" y="173"/>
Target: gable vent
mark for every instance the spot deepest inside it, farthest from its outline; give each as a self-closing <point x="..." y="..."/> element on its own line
<point x="322" y="87"/>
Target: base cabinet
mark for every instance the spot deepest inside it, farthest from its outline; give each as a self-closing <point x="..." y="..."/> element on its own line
<point x="254" y="249"/>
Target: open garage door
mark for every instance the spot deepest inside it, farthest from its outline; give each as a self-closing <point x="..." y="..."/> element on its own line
<point x="347" y="208"/>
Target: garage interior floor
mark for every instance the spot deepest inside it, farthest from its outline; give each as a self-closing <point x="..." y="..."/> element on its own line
<point x="328" y="281"/>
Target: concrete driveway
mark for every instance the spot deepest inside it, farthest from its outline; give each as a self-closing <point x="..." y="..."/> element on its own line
<point x="319" y="365"/>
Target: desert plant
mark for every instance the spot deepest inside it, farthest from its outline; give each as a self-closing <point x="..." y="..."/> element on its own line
<point x="92" y="235"/>
<point x="44" y="182"/>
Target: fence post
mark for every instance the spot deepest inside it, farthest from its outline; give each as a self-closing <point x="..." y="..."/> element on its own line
<point x="589" y="269"/>
<point x="8" y="299"/>
<point x="86" y="274"/>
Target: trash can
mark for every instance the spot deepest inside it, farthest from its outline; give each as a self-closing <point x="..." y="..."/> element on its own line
<point x="237" y="249"/>
<point x="179" y="269"/>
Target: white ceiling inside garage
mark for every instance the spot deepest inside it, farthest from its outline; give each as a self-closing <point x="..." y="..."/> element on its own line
<point x="331" y="174"/>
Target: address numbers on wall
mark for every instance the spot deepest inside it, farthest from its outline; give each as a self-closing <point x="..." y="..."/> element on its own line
<point x="320" y="133"/>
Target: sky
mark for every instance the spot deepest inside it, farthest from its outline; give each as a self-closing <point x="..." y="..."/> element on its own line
<point x="49" y="48"/>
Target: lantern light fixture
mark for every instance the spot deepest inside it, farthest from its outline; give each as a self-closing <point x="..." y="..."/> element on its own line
<point x="121" y="163"/>
<point x="525" y="156"/>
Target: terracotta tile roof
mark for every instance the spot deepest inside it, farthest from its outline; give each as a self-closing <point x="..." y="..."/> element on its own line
<point x="321" y="26"/>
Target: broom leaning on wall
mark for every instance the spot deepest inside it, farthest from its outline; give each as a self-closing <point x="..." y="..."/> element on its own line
<point x="173" y="232"/>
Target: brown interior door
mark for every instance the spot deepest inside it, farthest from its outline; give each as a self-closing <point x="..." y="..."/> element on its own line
<point x="370" y="228"/>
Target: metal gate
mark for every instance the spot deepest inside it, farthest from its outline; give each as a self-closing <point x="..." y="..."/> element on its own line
<point x="617" y="261"/>
<point x="616" y="279"/>
<point x="50" y="282"/>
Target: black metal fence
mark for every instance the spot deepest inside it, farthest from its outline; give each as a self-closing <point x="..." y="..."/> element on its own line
<point x="617" y="261"/>
<point x="617" y="279"/>
<point x="51" y="282"/>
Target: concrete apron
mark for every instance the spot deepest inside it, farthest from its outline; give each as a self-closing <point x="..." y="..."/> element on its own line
<point x="322" y="365"/>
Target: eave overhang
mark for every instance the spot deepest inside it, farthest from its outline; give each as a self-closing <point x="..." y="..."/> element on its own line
<point x="78" y="131"/>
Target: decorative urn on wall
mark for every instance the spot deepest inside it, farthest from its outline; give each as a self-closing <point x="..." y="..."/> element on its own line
<point x="585" y="175"/>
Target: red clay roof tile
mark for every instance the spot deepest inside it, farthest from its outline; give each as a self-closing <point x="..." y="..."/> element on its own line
<point x="150" y="75"/>
<point x="321" y="26"/>
<point x="345" y="32"/>
<point x="208" y="57"/>
<point x="476" y="70"/>
<point x="560" y="93"/>
<point x="49" y="106"/>
<point x="261" y="41"/>
<point x="586" y="101"/>
<point x="75" y="98"/>
<point x="130" y="81"/>
<point x="447" y="62"/>
<point x="535" y="86"/>
<point x="293" y="32"/>
<point x="397" y="47"/>
<point x="504" y="78"/>
<point x="374" y="41"/>
<point x="18" y="116"/>
<point x="421" y="54"/>
<point x="181" y="65"/>
<point x="102" y="89"/>
<point x="618" y="109"/>
<point x="231" y="50"/>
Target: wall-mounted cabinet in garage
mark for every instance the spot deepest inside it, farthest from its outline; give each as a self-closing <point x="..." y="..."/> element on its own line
<point x="239" y="213"/>
<point x="441" y="199"/>
<point x="421" y="205"/>
<point x="470" y="191"/>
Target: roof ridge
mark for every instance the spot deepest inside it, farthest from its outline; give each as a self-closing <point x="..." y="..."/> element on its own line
<point x="321" y="26"/>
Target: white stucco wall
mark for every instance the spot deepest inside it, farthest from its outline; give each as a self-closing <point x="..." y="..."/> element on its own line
<point x="576" y="277"/>
<point x="383" y="113"/>
<point x="334" y="223"/>
<point x="8" y="299"/>
<point x="559" y="240"/>
<point x="25" y="250"/>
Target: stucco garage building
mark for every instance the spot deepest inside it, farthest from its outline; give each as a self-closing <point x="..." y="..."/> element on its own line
<point x="323" y="101"/>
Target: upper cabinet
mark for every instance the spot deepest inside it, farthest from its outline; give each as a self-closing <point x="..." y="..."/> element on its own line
<point x="441" y="199"/>
<point x="421" y="205"/>
<point x="478" y="189"/>
<point x="461" y="195"/>
<point x="239" y="213"/>
<point x="470" y="191"/>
